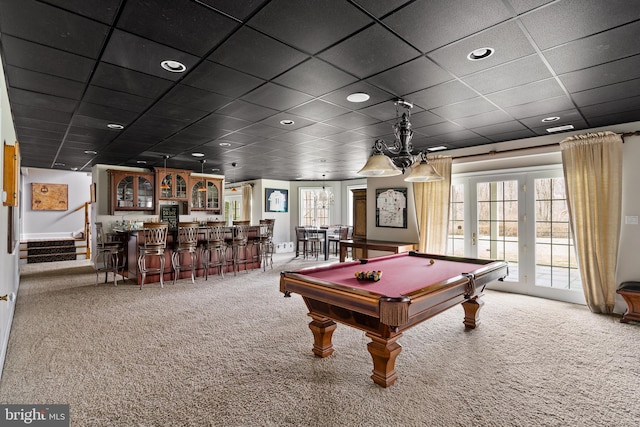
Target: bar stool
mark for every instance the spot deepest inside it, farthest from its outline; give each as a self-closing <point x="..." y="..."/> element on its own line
<point x="187" y="242"/>
<point x="265" y="242"/>
<point x="239" y="243"/>
<point x="214" y="244"/>
<point x="315" y="241"/>
<point x="301" y="239"/>
<point x="154" y="242"/>
<point x="109" y="256"/>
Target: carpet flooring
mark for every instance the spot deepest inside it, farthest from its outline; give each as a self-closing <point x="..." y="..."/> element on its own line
<point x="234" y="352"/>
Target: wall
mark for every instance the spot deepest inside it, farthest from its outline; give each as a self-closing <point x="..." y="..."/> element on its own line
<point x="54" y="224"/>
<point x="9" y="272"/>
<point x="258" y="208"/>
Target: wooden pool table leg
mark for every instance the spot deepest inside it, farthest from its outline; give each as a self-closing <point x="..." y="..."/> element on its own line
<point x="472" y="312"/>
<point x="384" y="352"/>
<point x="322" y="329"/>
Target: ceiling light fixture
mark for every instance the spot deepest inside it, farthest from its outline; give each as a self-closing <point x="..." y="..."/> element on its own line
<point x="165" y="185"/>
<point x="560" y="128"/>
<point x="202" y="162"/>
<point x="173" y="66"/>
<point x="437" y="148"/>
<point x="400" y="156"/>
<point x="141" y="162"/>
<point x="287" y="122"/>
<point x="358" y="97"/>
<point x="225" y="144"/>
<point x="115" y="126"/>
<point x="234" y="189"/>
<point x="197" y="154"/>
<point x="325" y="197"/>
<point x="550" y="119"/>
<point x="92" y="152"/>
<point x="481" y="53"/>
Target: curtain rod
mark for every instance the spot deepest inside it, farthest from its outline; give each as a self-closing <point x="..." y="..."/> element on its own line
<point x="513" y="150"/>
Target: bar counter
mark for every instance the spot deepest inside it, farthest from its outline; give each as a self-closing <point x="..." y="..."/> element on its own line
<point x="130" y="240"/>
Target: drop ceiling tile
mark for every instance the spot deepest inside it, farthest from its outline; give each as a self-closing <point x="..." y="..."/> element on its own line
<point x="238" y="9"/>
<point x="352" y="120"/>
<point x="38" y="133"/>
<point x="484" y="119"/>
<point x="410" y="77"/>
<point x="349" y="137"/>
<point x="195" y="98"/>
<point x="607" y="120"/>
<point x="125" y="80"/>
<point x="545" y="107"/>
<point x="606" y="108"/>
<point x="425" y="118"/>
<point x="528" y="93"/>
<point x="219" y="121"/>
<point x="274" y="121"/>
<point x="548" y="25"/>
<point x="139" y="54"/>
<point x="50" y="26"/>
<point x="371" y="51"/>
<point x="510" y="75"/>
<point x="246" y="111"/>
<point x="256" y="54"/>
<point x="318" y="110"/>
<point x="108" y="114"/>
<point x="176" y="112"/>
<point x="43" y="83"/>
<point x="597" y="49"/>
<point x="498" y="128"/>
<point x="220" y="79"/>
<point x="320" y="130"/>
<point x="522" y="6"/>
<point x="25" y="122"/>
<point x="181" y="24"/>
<point x="83" y="121"/>
<point x="439" y="129"/>
<point x="35" y="57"/>
<point x="429" y="25"/>
<point x="277" y="97"/>
<point x="512" y="136"/>
<point x="296" y="137"/>
<point x="309" y="26"/>
<point x="463" y="138"/>
<point x="116" y="99"/>
<point x="100" y="10"/>
<point x="380" y="8"/>
<point x="315" y="77"/>
<point x="31" y="112"/>
<point x="607" y="93"/>
<point x="443" y="94"/>
<point x="567" y="116"/>
<point x="40" y="100"/>
<point x="466" y="108"/>
<point x="602" y="75"/>
<point x="507" y="39"/>
<point x="263" y="131"/>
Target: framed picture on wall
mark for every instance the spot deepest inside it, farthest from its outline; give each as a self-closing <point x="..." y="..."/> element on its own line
<point x="276" y="200"/>
<point x="391" y="207"/>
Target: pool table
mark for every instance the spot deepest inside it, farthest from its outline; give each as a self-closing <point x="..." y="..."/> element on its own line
<point x="413" y="287"/>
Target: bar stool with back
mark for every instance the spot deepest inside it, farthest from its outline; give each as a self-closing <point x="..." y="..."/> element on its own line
<point x="153" y="243"/>
<point x="265" y="242"/>
<point x="109" y="256"/>
<point x="187" y="242"/>
<point x="215" y="246"/>
<point x="239" y="245"/>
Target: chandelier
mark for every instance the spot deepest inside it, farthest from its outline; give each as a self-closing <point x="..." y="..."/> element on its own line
<point x="396" y="159"/>
<point x="324" y="197"/>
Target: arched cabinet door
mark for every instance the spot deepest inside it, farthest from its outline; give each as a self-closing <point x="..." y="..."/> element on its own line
<point x="206" y="194"/>
<point x="131" y="191"/>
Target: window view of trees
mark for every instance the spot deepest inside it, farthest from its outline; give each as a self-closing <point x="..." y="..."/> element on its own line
<point x="314" y="209"/>
<point x="455" y="244"/>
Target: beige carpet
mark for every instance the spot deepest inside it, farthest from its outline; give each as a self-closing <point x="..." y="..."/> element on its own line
<point x="234" y="352"/>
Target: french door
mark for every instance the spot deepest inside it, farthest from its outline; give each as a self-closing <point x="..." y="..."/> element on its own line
<point x="521" y="218"/>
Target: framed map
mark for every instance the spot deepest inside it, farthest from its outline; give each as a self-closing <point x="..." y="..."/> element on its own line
<point x="391" y="207"/>
<point x="49" y="197"/>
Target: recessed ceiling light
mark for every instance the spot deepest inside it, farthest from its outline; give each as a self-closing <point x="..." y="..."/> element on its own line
<point x="215" y="170"/>
<point x="482" y="53"/>
<point x="58" y="164"/>
<point x="437" y="148"/>
<point x="550" y="119"/>
<point x="173" y="66"/>
<point x="90" y="152"/>
<point x="560" y="128"/>
<point x="115" y="126"/>
<point x="287" y="122"/>
<point x="197" y="154"/>
<point x="358" y="97"/>
<point x="74" y="169"/>
<point x="141" y="162"/>
<point x="225" y="144"/>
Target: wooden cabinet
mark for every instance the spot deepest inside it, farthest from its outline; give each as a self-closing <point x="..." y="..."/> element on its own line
<point x="360" y="213"/>
<point x="206" y="194"/>
<point x="131" y="191"/>
<point x="10" y="179"/>
<point x="172" y="184"/>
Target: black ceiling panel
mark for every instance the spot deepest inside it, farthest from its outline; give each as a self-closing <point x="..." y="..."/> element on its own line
<point x="74" y="66"/>
<point x="309" y="26"/>
<point x="182" y="24"/>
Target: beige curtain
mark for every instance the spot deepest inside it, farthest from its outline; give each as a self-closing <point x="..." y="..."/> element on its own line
<point x="432" y="208"/>
<point x="592" y="166"/>
<point x="247" y="199"/>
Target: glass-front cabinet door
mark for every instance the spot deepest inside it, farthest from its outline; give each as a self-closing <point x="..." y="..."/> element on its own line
<point x="172" y="184"/>
<point x="205" y="194"/>
<point x="131" y="191"/>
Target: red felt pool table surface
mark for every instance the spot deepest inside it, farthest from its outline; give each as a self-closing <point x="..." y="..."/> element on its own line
<point x="401" y="274"/>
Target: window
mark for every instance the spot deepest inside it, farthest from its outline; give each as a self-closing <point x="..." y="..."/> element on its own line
<point x="455" y="243"/>
<point x="315" y="205"/>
